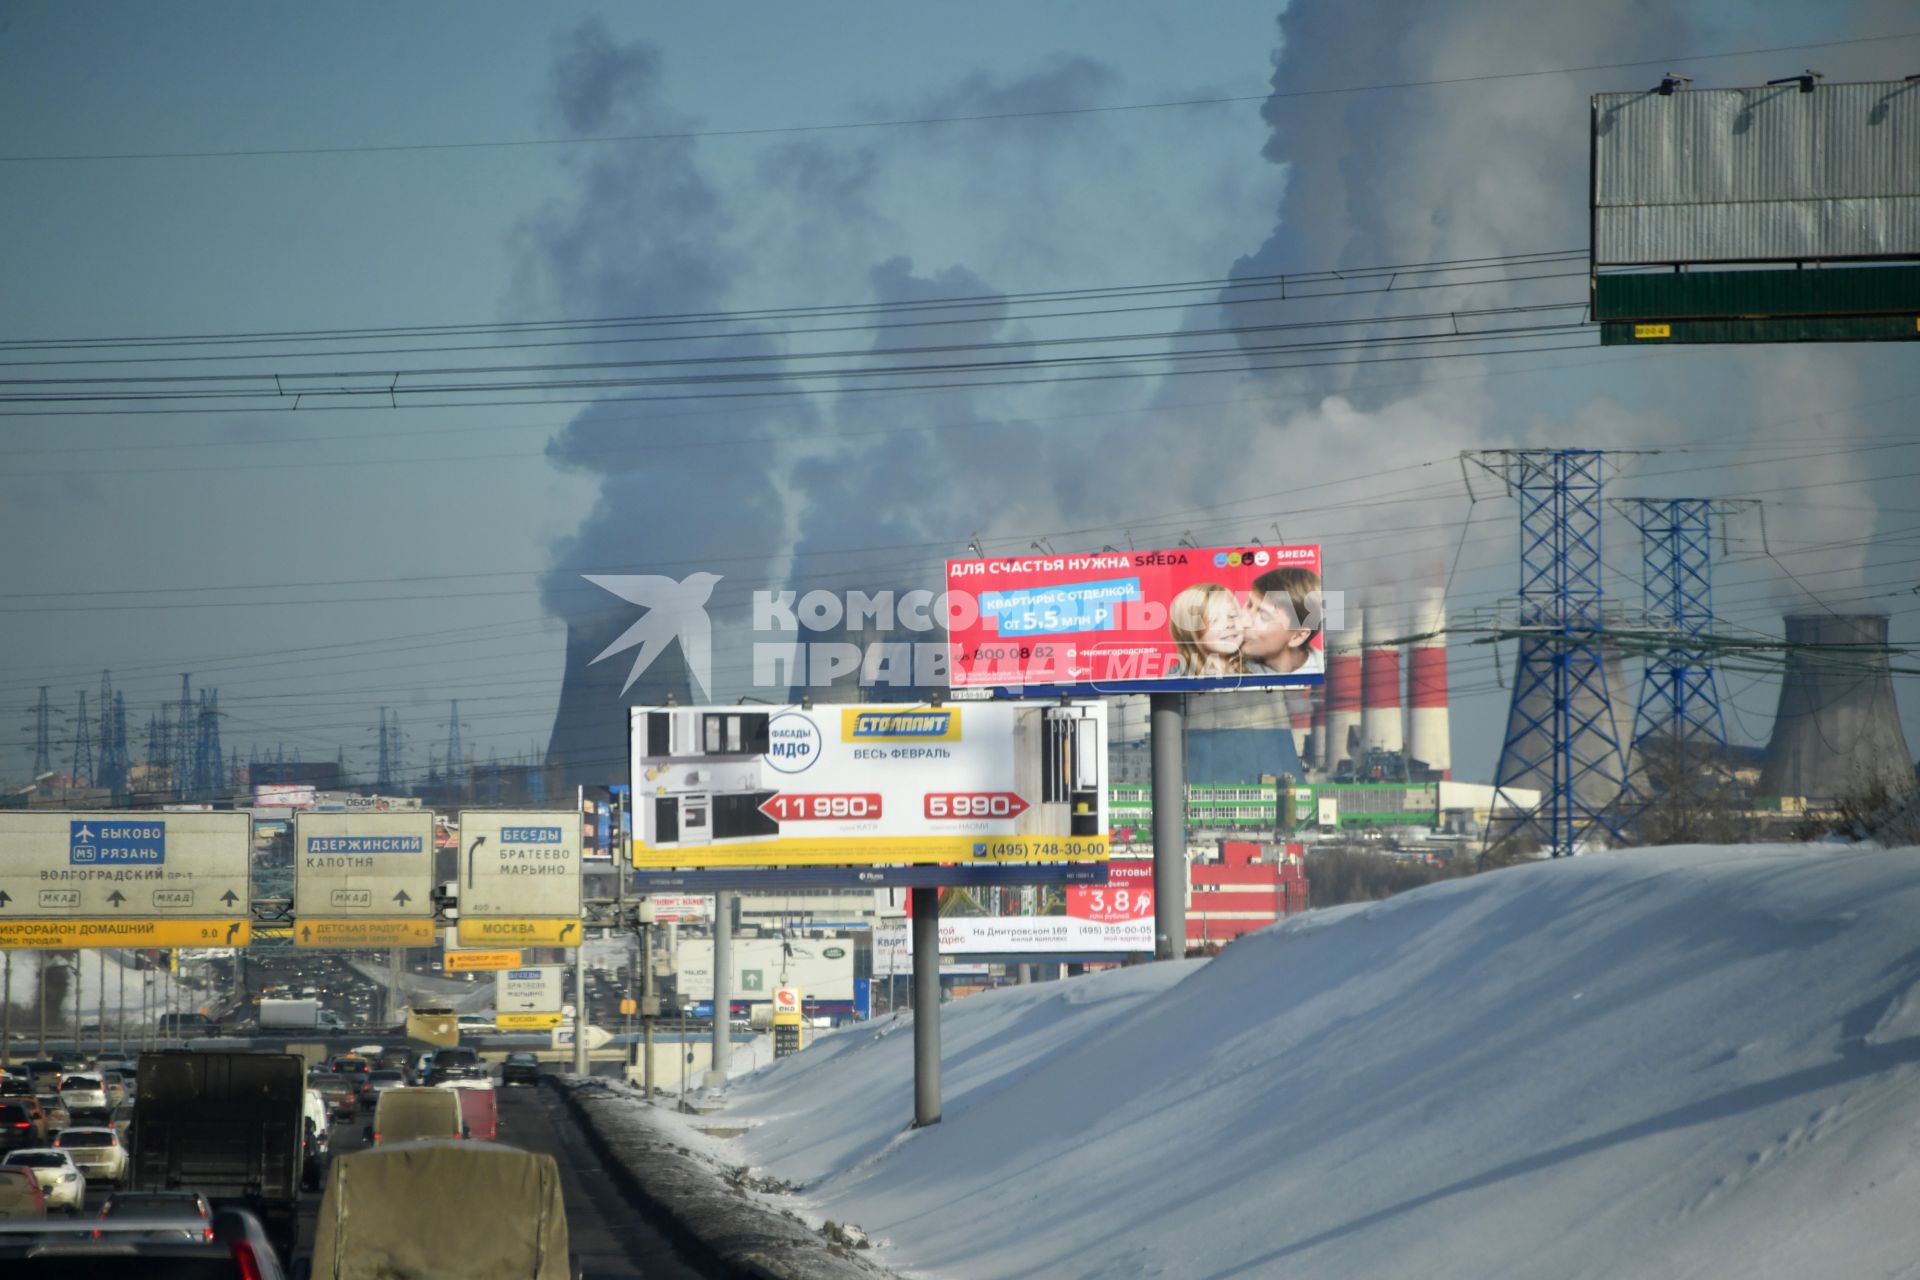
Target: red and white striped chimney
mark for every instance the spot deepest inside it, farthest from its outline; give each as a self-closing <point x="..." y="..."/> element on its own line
<point x="1300" y="720"/>
<point x="1429" y="735"/>
<point x="1380" y="724"/>
<point x="1343" y="690"/>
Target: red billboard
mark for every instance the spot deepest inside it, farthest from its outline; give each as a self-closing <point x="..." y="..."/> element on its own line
<point x="1137" y="621"/>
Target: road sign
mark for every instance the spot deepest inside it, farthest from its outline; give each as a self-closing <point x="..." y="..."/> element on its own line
<point x="470" y="961"/>
<point x="515" y="864"/>
<point x="56" y="935"/>
<point x="519" y="932"/>
<point x="377" y="865"/>
<point x="117" y="867"/>
<point x="355" y="933"/>
<point x="597" y="1037"/>
<point x="527" y="1022"/>
<point x="535" y="990"/>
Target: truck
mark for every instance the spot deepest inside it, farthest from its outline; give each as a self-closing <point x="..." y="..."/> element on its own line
<point x="229" y="1124"/>
<point x="298" y="1015"/>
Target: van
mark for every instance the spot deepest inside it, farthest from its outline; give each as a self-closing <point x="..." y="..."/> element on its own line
<point x="479" y="1109"/>
<point x="405" y="1114"/>
<point x="179" y="1026"/>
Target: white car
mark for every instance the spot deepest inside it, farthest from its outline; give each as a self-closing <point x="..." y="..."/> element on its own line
<point x="61" y="1181"/>
<point x="97" y="1152"/>
<point x="476" y="1022"/>
<point x="84" y="1094"/>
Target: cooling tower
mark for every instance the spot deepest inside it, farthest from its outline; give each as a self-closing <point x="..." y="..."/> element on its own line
<point x="1837" y="728"/>
<point x="589" y="742"/>
<point x="1343" y="691"/>
<point x="1380" y="726"/>
<point x="1597" y="730"/>
<point x="1429" y="736"/>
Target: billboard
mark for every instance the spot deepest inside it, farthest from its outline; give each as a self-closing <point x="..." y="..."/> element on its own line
<point x="823" y="967"/>
<point x="1138" y="621"/>
<point x="1116" y="917"/>
<point x="864" y="783"/>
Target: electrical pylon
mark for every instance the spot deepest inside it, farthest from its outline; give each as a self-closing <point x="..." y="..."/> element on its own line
<point x="1565" y="738"/>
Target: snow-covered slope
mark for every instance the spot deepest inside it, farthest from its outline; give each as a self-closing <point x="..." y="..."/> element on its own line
<point x="1675" y="1062"/>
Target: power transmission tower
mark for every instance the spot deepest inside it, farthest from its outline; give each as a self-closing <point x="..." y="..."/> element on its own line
<point x="383" y="774"/>
<point x="158" y="751"/>
<point x="536" y="777"/>
<point x="456" y="764"/>
<point x="207" y="756"/>
<point x="1565" y="735"/>
<point x="122" y="758"/>
<point x="42" y="735"/>
<point x="82" y="770"/>
<point x="183" y="741"/>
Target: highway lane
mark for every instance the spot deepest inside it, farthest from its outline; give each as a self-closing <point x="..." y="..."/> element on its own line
<point x="608" y="1235"/>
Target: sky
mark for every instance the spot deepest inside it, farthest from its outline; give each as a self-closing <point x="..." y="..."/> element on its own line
<point x="1682" y="1062"/>
<point x="226" y="170"/>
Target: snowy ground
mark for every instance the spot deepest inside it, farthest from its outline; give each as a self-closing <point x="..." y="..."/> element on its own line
<point x="1679" y="1062"/>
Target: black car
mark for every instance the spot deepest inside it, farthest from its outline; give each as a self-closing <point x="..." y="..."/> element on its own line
<point x="520" y="1068"/>
<point x="454" y="1064"/>
<point x="231" y="1243"/>
<point x="17" y="1129"/>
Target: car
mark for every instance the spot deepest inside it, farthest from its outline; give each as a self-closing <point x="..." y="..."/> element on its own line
<point x="60" y="1178"/>
<point x="97" y="1151"/>
<point x="341" y="1093"/>
<point x="189" y="1209"/>
<point x="116" y="1087"/>
<point x="55" y="1110"/>
<point x="394" y="1058"/>
<point x="85" y="1095"/>
<point x="43" y="1073"/>
<point x="476" y="1022"/>
<point x="182" y="1026"/>
<point x="20" y="1195"/>
<point x="383" y="1079"/>
<point x="21" y="1124"/>
<point x="121" y="1122"/>
<point x="453" y="1064"/>
<point x="520" y="1068"/>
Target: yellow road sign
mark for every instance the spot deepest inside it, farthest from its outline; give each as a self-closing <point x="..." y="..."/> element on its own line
<point x="369" y="932"/>
<point x="465" y="961"/>
<point x="523" y="931"/>
<point x="61" y="934"/>
<point x="527" y="1021"/>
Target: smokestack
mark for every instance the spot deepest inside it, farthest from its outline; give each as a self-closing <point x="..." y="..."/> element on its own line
<point x="1300" y="720"/>
<point x="1429" y="736"/>
<point x="1343" y="690"/>
<point x="1837" y="728"/>
<point x="1380" y="725"/>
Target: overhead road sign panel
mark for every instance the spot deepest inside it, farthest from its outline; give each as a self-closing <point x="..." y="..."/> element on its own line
<point x="535" y="990"/>
<point x="355" y="932"/>
<point x="862" y="784"/>
<point x="1184" y="620"/>
<point x="523" y="932"/>
<point x="767" y="879"/>
<point x="377" y="865"/>
<point x="59" y="935"/>
<point x="516" y="864"/>
<point x="115" y="866"/>
<point x="480" y="961"/>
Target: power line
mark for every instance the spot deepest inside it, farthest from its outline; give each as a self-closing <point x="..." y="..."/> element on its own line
<point x="926" y="121"/>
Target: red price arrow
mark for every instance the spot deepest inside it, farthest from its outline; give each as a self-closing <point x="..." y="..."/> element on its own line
<point x="790" y="807"/>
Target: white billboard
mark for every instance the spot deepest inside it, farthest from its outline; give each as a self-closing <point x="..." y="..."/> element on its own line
<point x="821" y="967"/>
<point x="844" y="784"/>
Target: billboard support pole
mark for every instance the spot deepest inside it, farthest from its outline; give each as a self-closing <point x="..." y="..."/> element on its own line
<point x="1169" y="739"/>
<point x="926" y="1007"/>
<point x="580" y="1067"/>
<point x="722" y="988"/>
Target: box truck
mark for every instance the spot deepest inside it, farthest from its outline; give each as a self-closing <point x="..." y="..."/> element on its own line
<point x="298" y="1015"/>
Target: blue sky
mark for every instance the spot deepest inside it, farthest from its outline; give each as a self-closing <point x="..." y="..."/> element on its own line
<point x="424" y="533"/>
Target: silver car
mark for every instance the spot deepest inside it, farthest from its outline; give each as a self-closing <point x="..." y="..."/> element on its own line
<point x="60" y="1179"/>
<point x="85" y="1094"/>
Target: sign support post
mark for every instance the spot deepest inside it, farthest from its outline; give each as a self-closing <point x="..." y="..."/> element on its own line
<point x="649" y="1002"/>
<point x="722" y="988"/>
<point x="6" y="1018"/>
<point x="1169" y="734"/>
<point x="580" y="1066"/>
<point x="926" y="1007"/>
<point x="396" y="960"/>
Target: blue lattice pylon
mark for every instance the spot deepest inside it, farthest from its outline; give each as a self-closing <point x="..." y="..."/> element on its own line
<point x="1563" y="774"/>
<point x="1679" y="702"/>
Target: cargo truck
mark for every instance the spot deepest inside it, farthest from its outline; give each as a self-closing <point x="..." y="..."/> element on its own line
<point x="298" y="1015"/>
<point x="228" y="1124"/>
